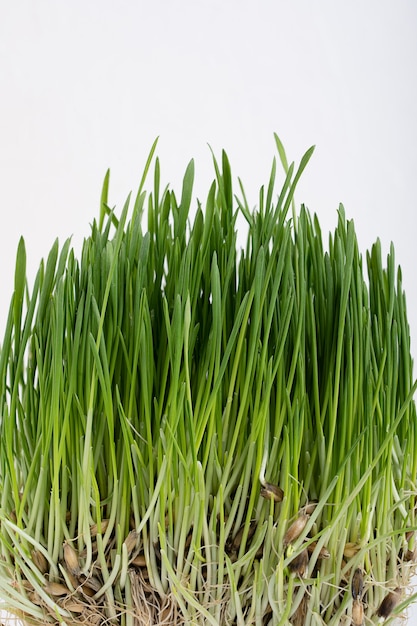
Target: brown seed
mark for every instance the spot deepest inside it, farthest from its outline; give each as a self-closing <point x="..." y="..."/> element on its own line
<point x="260" y="551"/>
<point x="411" y="555"/>
<point x="188" y="539"/>
<point x="237" y="540"/>
<point x="92" y="583"/>
<point x="73" y="580"/>
<point x="73" y="606"/>
<point x="40" y="561"/>
<point x="295" y="529"/>
<point x="299" y="616"/>
<point x="351" y="549"/>
<point x="272" y="492"/>
<point x="94" y="528"/>
<point x="299" y="564"/>
<point x="27" y="586"/>
<point x="323" y="554"/>
<point x="71" y="560"/>
<point x="83" y="553"/>
<point x="357" y="612"/>
<point x="35" y="598"/>
<point x="389" y="603"/>
<point x="131" y="541"/>
<point x="357" y="584"/>
<point x="86" y="591"/>
<point x="56" y="589"/>
<point x="309" y="508"/>
<point x="139" y="561"/>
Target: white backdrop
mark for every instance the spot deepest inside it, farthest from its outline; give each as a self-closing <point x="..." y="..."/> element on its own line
<point x="89" y="85"/>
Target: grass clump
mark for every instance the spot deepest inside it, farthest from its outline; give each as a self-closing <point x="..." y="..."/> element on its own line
<point x="193" y="434"/>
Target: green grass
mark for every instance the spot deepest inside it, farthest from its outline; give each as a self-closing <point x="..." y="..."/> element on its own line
<point x="151" y="388"/>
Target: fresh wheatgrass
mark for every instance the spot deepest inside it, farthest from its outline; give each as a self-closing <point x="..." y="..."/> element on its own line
<point x="197" y="434"/>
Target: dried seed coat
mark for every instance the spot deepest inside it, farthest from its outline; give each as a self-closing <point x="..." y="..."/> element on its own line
<point x="131" y="541"/>
<point x="357" y="612"/>
<point x="295" y="529"/>
<point x="357" y="584"/>
<point x="351" y="549"/>
<point x="139" y="561"/>
<point x="299" y="564"/>
<point x="272" y="492"/>
<point x="56" y="589"/>
<point x="309" y="508"/>
<point x="389" y="603"/>
<point x="40" y="561"/>
<point x="73" y="606"/>
<point x="323" y="554"/>
<point x="94" y="528"/>
<point x="71" y="560"/>
<point x="237" y="540"/>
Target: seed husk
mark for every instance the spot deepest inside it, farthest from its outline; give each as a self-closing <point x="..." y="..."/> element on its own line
<point x="411" y="555"/>
<point x="295" y="529"/>
<point x="25" y="584"/>
<point x="103" y="525"/>
<point x="237" y="540"/>
<point x="56" y="589"/>
<point x="93" y="583"/>
<point x="40" y="561"/>
<point x="139" y="561"/>
<point x="131" y="541"/>
<point x="389" y="603"/>
<point x="83" y="553"/>
<point x="73" y="580"/>
<point x="35" y="598"/>
<point x="357" y="584"/>
<point x="272" y="492"/>
<point x="298" y="566"/>
<point x="323" y="554"/>
<point x="72" y="605"/>
<point x="351" y="549"/>
<point x="309" y="508"/>
<point x="71" y="560"/>
<point x="357" y="612"/>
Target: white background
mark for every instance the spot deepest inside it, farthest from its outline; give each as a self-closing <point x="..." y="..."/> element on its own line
<point x="89" y="85"/>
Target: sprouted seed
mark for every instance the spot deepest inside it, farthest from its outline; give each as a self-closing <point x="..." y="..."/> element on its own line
<point x="237" y="539"/>
<point x="103" y="527"/>
<point x="131" y="541"/>
<point x="323" y="554"/>
<point x="389" y="603"/>
<point x="139" y="561"/>
<point x="357" y="584"/>
<point x="351" y="549"/>
<point x="309" y="508"/>
<point x="357" y="612"/>
<point x="56" y="589"/>
<point x="272" y="492"/>
<point x="296" y="528"/>
<point x="299" y="564"/>
<point x="73" y="605"/>
<point x="71" y="560"/>
<point x="40" y="561"/>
